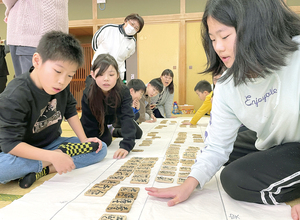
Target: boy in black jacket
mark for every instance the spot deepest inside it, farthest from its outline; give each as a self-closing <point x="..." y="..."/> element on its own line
<point x="32" y="108"/>
<point x="137" y="89"/>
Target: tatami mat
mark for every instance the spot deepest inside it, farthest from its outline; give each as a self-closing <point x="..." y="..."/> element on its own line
<point x="11" y="190"/>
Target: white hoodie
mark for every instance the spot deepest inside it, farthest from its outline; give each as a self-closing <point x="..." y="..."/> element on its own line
<point x="112" y="39"/>
<point x="267" y="106"/>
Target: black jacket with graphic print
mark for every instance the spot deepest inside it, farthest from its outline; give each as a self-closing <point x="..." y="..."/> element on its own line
<point x="28" y="114"/>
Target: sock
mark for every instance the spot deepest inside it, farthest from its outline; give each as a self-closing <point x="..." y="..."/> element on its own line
<point x="74" y="149"/>
<point x="30" y="178"/>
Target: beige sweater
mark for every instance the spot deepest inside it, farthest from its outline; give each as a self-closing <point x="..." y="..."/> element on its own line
<point x="144" y="109"/>
<point x="28" y="20"/>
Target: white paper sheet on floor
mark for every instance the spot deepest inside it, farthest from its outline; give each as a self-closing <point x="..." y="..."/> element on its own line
<point x="62" y="197"/>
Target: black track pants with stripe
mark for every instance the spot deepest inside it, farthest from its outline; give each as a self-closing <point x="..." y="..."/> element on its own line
<point x="267" y="177"/>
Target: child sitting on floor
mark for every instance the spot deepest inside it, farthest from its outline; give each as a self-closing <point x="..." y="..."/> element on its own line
<point x="106" y="100"/>
<point x="204" y="92"/>
<point x="32" y="108"/>
<point x="137" y="89"/>
<point x="154" y="87"/>
<point x="162" y="104"/>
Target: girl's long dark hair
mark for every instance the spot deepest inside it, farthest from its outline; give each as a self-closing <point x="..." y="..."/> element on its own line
<point x="168" y="72"/>
<point x="97" y="100"/>
<point x="264" y="31"/>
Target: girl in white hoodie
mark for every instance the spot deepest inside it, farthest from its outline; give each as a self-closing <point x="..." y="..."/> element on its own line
<point x="258" y="42"/>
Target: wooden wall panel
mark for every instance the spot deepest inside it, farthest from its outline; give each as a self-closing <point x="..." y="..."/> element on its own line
<point x="77" y="84"/>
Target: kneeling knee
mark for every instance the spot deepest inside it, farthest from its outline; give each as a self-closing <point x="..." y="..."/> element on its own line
<point x="139" y="135"/>
<point x="104" y="148"/>
<point x="231" y="181"/>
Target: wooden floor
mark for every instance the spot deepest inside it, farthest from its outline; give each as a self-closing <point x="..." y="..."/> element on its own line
<point x="12" y="191"/>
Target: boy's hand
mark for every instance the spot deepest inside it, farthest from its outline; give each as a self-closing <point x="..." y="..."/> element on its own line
<point x="296" y="212"/>
<point x="62" y="162"/>
<point x="136" y="104"/>
<point x="94" y="139"/>
<point x="153" y="118"/>
<point x="121" y="153"/>
<point x="177" y="193"/>
<point x="133" y="103"/>
<point x="186" y="123"/>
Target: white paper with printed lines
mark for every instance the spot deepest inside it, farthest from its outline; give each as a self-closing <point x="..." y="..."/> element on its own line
<point x="62" y="197"/>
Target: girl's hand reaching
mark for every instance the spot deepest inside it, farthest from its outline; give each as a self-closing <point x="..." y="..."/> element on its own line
<point x="153" y="118"/>
<point x="120" y="154"/>
<point x="296" y="212"/>
<point x="177" y="193"/>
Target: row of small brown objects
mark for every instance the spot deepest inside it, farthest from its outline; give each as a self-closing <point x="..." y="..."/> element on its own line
<point x="141" y="169"/>
<point x="180" y="138"/>
<point x="172" y="158"/>
<point x="184" y="126"/>
<point x="153" y="135"/>
<point x="162" y="124"/>
<point x="198" y="138"/>
<point x="148" y="140"/>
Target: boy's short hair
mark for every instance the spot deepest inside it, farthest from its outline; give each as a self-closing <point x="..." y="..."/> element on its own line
<point x="136" y="85"/>
<point x="202" y="86"/>
<point x="56" y="45"/>
<point x="157" y="84"/>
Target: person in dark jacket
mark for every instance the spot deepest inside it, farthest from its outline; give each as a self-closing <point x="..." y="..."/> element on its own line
<point x="106" y="100"/>
<point x="3" y="66"/>
<point x="33" y="106"/>
<point x="136" y="88"/>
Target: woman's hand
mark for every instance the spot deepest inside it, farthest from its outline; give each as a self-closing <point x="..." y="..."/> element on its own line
<point x="296" y="212"/>
<point x="121" y="153"/>
<point x="177" y="193"/>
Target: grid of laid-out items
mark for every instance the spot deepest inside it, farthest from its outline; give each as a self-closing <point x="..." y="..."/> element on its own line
<point x="115" y="189"/>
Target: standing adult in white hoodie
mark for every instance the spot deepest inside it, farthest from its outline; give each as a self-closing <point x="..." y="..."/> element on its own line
<point x="118" y="40"/>
<point x="27" y="21"/>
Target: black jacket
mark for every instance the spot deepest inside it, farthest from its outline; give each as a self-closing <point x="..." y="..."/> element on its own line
<point x="28" y="114"/>
<point x="123" y="116"/>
